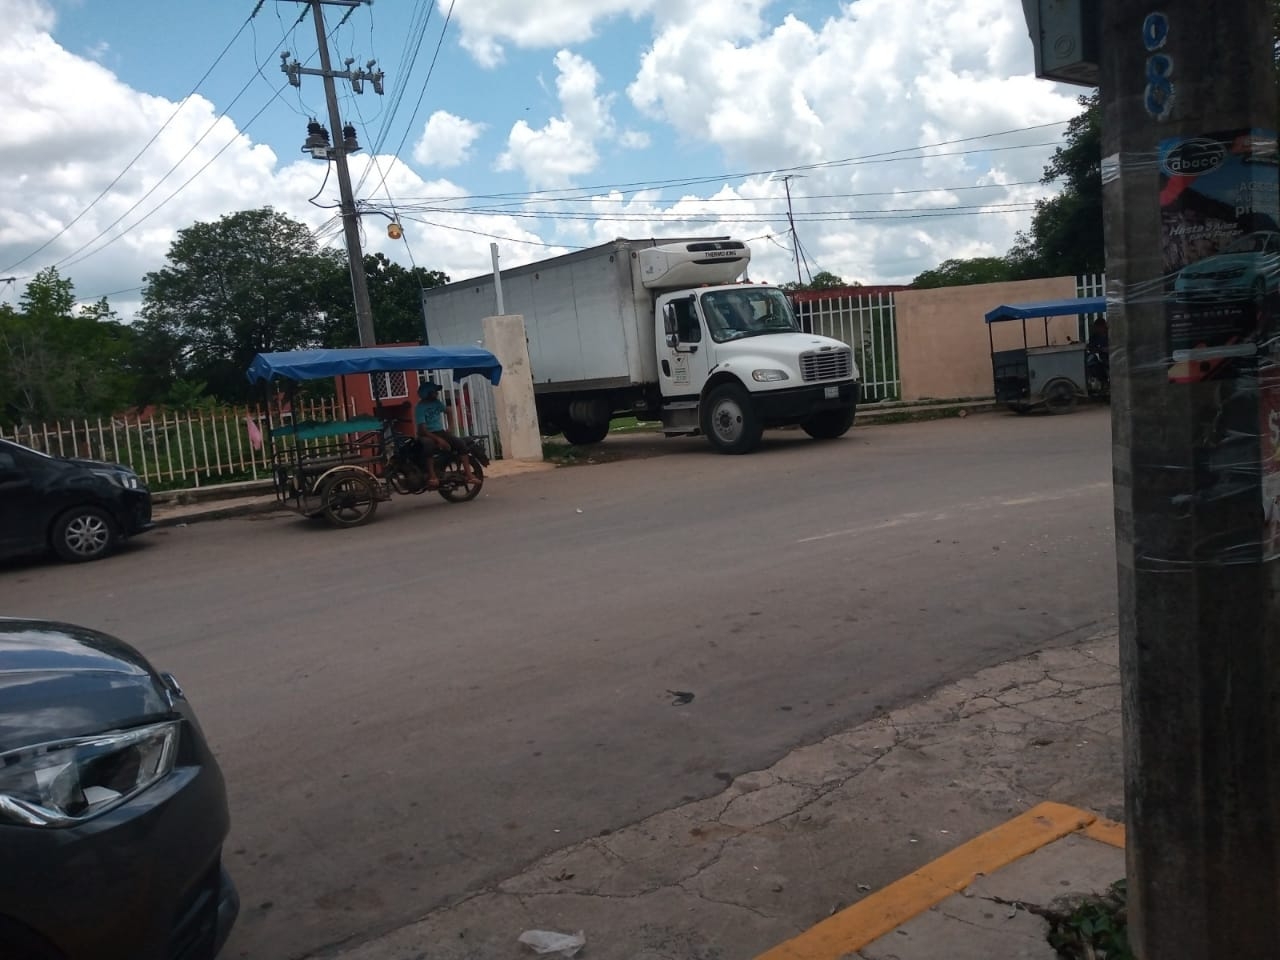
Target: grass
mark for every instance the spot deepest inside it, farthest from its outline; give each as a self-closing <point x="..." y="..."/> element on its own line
<point x="1097" y="929"/>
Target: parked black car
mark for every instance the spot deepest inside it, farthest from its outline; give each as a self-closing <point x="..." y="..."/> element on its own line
<point x="113" y="810"/>
<point x="79" y="509"/>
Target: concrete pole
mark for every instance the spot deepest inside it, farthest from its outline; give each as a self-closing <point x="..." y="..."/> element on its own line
<point x="1200" y="621"/>
<point x="517" y="410"/>
<point x="350" y="219"/>
<point x="500" y="306"/>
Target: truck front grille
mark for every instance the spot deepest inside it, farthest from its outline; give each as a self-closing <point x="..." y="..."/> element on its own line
<point x="826" y="365"/>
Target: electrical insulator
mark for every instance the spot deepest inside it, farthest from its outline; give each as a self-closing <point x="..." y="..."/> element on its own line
<point x="317" y="138"/>
<point x="349" y="141"/>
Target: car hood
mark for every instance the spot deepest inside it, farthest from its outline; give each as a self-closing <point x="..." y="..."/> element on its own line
<point x="93" y="464"/>
<point x="1220" y="262"/>
<point x="59" y="681"/>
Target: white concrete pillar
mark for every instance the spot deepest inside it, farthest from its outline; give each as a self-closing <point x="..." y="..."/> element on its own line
<point x="518" y="432"/>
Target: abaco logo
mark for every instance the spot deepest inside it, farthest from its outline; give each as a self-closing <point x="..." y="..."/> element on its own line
<point x="1194" y="157"/>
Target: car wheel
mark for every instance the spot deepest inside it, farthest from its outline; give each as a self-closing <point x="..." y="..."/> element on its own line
<point x="83" y="533"/>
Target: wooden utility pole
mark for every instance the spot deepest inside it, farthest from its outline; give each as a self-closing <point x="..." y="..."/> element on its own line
<point x="1189" y="168"/>
<point x="338" y="154"/>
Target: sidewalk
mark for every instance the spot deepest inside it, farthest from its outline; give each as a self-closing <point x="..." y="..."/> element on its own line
<point x="177" y="507"/>
<point x="939" y="831"/>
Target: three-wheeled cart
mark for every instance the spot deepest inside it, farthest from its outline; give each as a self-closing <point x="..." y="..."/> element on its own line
<point x="1048" y="375"/>
<point x="342" y="469"/>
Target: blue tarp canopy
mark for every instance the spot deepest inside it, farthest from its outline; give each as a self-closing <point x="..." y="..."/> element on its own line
<point x="315" y="364"/>
<point x="1071" y="307"/>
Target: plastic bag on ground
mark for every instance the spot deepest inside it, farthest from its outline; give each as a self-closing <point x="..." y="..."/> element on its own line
<point x="548" y="941"/>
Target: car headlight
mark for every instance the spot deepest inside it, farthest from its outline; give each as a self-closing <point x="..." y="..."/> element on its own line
<point x="768" y="376"/>
<point x="125" y="478"/>
<point x="68" y="781"/>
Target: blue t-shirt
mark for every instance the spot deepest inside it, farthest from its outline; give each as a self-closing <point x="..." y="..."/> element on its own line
<point x="429" y="414"/>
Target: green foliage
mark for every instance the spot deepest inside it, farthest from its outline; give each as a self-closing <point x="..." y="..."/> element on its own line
<point x="395" y="297"/>
<point x="57" y="363"/>
<point x="959" y="273"/>
<point x="1097" y="929"/>
<point x="251" y="282"/>
<point x="1066" y="238"/>
<point x="822" y="280"/>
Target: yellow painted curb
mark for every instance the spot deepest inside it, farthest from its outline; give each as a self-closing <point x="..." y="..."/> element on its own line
<point x="1106" y="831"/>
<point x="877" y="914"/>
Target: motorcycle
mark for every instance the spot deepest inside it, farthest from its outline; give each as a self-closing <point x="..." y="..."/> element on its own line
<point x="407" y="473"/>
<point x="1097" y="365"/>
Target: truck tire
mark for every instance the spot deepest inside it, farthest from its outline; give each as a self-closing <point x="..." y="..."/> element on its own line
<point x="581" y="434"/>
<point x="829" y="424"/>
<point x="729" y="420"/>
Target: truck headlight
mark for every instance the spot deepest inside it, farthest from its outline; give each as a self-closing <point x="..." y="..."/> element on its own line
<point x="769" y="376"/>
<point x="68" y="781"/>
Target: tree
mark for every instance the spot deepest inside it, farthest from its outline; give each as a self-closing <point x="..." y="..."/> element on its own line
<point x="1066" y="237"/>
<point x="959" y="273"/>
<point x="395" y="295"/>
<point x="57" y="362"/>
<point x="822" y="280"/>
<point x="251" y="282"/>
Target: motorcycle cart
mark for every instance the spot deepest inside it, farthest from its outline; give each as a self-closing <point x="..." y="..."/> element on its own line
<point x="1052" y="372"/>
<point x="340" y="469"/>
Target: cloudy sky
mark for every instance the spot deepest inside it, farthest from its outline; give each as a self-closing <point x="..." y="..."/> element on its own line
<point x="911" y="130"/>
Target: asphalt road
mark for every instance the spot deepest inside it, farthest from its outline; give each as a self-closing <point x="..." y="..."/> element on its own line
<point x="412" y="710"/>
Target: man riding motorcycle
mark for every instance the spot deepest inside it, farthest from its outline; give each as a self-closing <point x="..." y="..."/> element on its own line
<point x="428" y="415"/>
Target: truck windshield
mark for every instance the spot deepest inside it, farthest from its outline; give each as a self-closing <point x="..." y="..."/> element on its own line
<point x="746" y="312"/>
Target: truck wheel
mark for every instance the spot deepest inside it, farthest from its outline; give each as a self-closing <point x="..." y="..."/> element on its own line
<point x="581" y="434"/>
<point x="829" y="424"/>
<point x="729" y="420"/>
<point x="83" y="533"/>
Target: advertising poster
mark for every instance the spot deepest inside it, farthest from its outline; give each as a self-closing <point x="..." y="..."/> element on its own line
<point x="1269" y="407"/>
<point x="1221" y="248"/>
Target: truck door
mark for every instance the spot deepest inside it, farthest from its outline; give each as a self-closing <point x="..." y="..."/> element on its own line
<point x="683" y="368"/>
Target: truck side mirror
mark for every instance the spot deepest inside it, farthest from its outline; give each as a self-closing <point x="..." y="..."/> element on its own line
<point x="670" y="325"/>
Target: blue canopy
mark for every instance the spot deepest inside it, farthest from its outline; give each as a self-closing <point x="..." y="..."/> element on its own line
<point x="1071" y="307"/>
<point x="315" y="364"/>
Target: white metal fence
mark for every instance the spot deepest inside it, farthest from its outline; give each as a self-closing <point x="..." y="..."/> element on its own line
<point x="173" y="449"/>
<point x="868" y="323"/>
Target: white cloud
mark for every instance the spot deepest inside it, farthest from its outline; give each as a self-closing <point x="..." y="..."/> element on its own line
<point x="446" y="140"/>
<point x="486" y="24"/>
<point x="565" y="147"/>
<point x="879" y="76"/>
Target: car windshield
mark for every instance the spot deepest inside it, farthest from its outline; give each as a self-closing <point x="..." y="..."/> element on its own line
<point x="747" y="311"/>
<point x="1249" y="243"/>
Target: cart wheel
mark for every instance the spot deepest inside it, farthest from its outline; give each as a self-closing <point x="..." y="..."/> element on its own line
<point x="1060" y="397"/>
<point x="349" y="500"/>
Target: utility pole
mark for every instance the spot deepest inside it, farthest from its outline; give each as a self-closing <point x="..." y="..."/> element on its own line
<point x="795" y="238"/>
<point x="1189" y="164"/>
<point x="343" y="145"/>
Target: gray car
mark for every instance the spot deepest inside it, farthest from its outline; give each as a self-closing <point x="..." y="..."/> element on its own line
<point x="113" y="810"/>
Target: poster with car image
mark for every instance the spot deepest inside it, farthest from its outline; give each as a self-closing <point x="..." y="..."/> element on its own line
<point x="1220" y="244"/>
<point x="1269" y="409"/>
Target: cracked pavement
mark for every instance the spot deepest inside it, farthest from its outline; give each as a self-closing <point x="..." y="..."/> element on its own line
<point x="781" y="849"/>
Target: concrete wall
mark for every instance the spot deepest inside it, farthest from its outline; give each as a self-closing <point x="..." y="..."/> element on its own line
<point x="505" y="338"/>
<point x="943" y="351"/>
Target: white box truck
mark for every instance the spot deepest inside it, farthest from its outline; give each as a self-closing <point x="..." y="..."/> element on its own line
<point x="662" y="330"/>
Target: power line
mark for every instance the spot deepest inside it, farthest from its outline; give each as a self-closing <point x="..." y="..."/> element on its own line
<point x="146" y="146"/>
<point x="887" y="156"/>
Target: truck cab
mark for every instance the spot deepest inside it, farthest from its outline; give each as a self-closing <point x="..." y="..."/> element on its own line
<point x="732" y="359"/>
